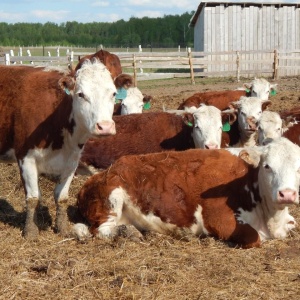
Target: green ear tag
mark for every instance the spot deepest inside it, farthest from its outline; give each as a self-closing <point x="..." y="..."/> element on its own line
<point x="273" y="93"/>
<point x="67" y="91"/>
<point x="247" y="90"/>
<point x="226" y="127"/>
<point x="190" y="124"/>
<point x="147" y="105"/>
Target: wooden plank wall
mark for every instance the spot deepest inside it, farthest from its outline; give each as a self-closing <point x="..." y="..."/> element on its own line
<point x="247" y="28"/>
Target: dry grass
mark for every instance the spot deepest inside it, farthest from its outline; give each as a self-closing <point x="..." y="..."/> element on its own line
<point x="159" y="267"/>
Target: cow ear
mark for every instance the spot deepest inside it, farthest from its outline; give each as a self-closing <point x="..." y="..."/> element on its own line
<point x="188" y="119"/>
<point x="250" y="156"/>
<point x="265" y="105"/>
<point x="288" y="122"/>
<point x="124" y="80"/>
<point x="67" y="84"/>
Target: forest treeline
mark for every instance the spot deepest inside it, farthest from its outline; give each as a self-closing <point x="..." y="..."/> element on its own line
<point x="168" y="31"/>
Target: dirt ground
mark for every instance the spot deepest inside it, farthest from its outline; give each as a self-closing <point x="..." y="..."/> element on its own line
<point x="159" y="267"/>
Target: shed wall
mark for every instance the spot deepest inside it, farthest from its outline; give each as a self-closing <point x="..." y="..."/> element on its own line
<point x="241" y="28"/>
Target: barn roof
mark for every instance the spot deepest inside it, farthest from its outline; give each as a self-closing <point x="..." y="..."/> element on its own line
<point x="241" y="2"/>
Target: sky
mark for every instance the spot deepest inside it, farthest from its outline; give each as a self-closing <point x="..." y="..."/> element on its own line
<point x="82" y="11"/>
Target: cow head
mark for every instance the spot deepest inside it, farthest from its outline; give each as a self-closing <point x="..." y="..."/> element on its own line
<point x="260" y="88"/>
<point x="93" y="92"/>
<point x="279" y="172"/>
<point x="270" y="126"/>
<point x="207" y="125"/>
<point x="249" y="112"/>
<point x="110" y="60"/>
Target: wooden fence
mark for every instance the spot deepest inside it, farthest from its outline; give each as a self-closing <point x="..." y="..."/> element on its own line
<point x="159" y="65"/>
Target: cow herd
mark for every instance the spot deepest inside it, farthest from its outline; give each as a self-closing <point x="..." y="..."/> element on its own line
<point x="222" y="164"/>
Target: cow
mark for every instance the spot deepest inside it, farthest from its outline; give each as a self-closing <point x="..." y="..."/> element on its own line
<point x="239" y="199"/>
<point x="131" y="101"/>
<point x="45" y="119"/>
<point x="273" y="125"/>
<point x="243" y="133"/>
<point x="259" y="88"/>
<point x="110" y="60"/>
<point x="156" y="132"/>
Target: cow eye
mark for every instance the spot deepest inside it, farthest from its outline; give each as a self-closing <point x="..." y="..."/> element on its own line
<point x="267" y="167"/>
<point x="114" y="94"/>
<point x="243" y="113"/>
<point x="81" y="95"/>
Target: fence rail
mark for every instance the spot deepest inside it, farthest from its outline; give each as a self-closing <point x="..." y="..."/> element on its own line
<point x="159" y="65"/>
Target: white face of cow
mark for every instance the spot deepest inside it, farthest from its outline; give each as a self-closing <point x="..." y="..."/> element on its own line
<point x="249" y="112"/>
<point x="261" y="88"/>
<point x="269" y="126"/>
<point x="207" y="130"/>
<point x="279" y="172"/>
<point x="133" y="103"/>
<point x="94" y="98"/>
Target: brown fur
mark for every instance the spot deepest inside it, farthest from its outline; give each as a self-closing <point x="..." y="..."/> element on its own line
<point x="171" y="186"/>
<point x="139" y="134"/>
<point x="293" y="133"/>
<point x="219" y="99"/>
<point x="42" y="98"/>
<point x="110" y="60"/>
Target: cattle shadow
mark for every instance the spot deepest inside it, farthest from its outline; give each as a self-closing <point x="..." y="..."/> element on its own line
<point x="11" y="217"/>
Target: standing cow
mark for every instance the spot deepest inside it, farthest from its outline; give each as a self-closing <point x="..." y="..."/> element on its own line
<point x="205" y="192"/>
<point x="45" y="119"/>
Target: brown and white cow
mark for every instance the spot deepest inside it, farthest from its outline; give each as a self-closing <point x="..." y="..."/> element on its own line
<point x="244" y="132"/>
<point x="259" y="88"/>
<point x="45" y="119"/>
<point x="110" y="60"/>
<point x="131" y="101"/>
<point x="242" y="199"/>
<point x="271" y="126"/>
<point x="156" y="132"/>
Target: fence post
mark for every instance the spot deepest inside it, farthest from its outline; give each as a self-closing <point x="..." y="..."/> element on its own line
<point x="7" y="59"/>
<point x="191" y="66"/>
<point x="275" y="65"/>
<point x="134" y="71"/>
<point x="238" y="66"/>
<point x="21" y="54"/>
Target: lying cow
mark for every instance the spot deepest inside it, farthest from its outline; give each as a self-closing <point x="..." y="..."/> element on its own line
<point x="157" y="132"/>
<point x="243" y="199"/>
<point x="259" y="88"/>
<point x="45" y="119"/>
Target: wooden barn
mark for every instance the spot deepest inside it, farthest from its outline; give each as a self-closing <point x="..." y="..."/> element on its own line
<point x="254" y="26"/>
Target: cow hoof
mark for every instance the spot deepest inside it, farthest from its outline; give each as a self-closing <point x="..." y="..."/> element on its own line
<point x="31" y="232"/>
<point x="129" y="232"/>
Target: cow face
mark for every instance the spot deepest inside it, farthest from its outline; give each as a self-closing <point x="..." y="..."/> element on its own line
<point x="207" y="130"/>
<point x="261" y="88"/>
<point x="93" y="99"/>
<point x="269" y="127"/>
<point x="279" y="172"/>
<point x="249" y="112"/>
<point x="133" y="103"/>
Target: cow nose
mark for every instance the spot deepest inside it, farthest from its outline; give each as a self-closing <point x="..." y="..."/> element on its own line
<point x="287" y="196"/>
<point x="106" y="128"/>
<point x="252" y="123"/>
<point x="211" y="146"/>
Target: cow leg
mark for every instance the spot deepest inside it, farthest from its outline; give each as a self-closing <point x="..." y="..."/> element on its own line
<point x="61" y="195"/>
<point x="31" y="230"/>
<point x="29" y="177"/>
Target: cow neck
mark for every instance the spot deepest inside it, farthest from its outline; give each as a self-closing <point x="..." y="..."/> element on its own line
<point x="247" y="140"/>
<point x="273" y="214"/>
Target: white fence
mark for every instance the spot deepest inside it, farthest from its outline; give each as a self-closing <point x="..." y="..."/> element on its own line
<point x="158" y="65"/>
